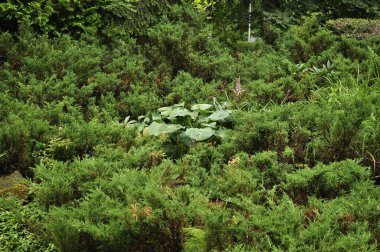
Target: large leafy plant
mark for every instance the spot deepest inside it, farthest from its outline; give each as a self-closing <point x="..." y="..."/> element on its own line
<point x="183" y="126"/>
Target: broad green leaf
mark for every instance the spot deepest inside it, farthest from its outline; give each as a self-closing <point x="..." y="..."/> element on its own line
<point x="179" y="105"/>
<point x="140" y="118"/>
<point x="146" y="120"/>
<point x="203" y="118"/>
<point x="156" y="117"/>
<point x="201" y="107"/>
<point x="200" y="134"/>
<point x="126" y="120"/>
<point x="165" y="111"/>
<point x="219" y="115"/>
<point x="171" y="128"/>
<point x="222" y="133"/>
<point x="210" y="125"/>
<point x="179" y="112"/>
<point x="185" y="139"/>
<point x="155" y="129"/>
<point x="194" y="115"/>
<point x="217" y="105"/>
<point x="226" y="104"/>
<point x="140" y="126"/>
<point x="166" y="114"/>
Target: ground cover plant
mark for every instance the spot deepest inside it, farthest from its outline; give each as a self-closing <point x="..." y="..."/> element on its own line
<point x="159" y="128"/>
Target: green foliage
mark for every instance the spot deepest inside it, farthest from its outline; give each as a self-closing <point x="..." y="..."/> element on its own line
<point x="292" y="170"/>
<point x="186" y="46"/>
<point x="326" y="181"/>
<point x="16" y="228"/>
<point x="194" y="240"/>
<point x="353" y="8"/>
<point x="154" y="223"/>
<point x="357" y="28"/>
<point x="188" y="89"/>
<point x="184" y="127"/>
<point x="271" y="17"/>
<point x="322" y="131"/>
<point x="106" y="18"/>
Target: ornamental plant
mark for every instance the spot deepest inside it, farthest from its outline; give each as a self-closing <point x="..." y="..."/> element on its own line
<point x="184" y="127"/>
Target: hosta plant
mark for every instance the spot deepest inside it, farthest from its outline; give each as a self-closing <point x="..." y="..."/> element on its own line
<point x="185" y="126"/>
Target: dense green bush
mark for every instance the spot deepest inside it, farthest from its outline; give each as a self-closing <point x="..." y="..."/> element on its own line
<point x="292" y="170"/>
<point x="105" y="18"/>
<point x="18" y="230"/>
<point x="325" y="181"/>
<point x="323" y="131"/>
<point x="358" y="28"/>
